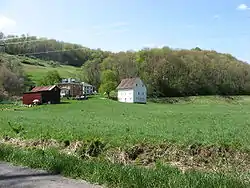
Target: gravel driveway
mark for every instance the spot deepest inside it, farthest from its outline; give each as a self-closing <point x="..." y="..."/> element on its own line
<point x="17" y="177"/>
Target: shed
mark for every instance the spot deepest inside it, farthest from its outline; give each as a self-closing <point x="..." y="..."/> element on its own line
<point x="45" y="94"/>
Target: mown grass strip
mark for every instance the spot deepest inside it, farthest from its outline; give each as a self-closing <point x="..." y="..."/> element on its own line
<point x="114" y="175"/>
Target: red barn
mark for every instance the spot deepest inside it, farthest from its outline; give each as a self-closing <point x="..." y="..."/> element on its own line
<point x="44" y="94"/>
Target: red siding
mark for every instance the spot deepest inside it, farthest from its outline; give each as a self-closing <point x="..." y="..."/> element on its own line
<point x="29" y="97"/>
<point x="45" y="94"/>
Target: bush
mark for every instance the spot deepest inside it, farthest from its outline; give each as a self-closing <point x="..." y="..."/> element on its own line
<point x="91" y="148"/>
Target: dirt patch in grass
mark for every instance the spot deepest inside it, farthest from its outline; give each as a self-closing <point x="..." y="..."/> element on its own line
<point x="195" y="157"/>
<point x="198" y="157"/>
<point x="43" y="143"/>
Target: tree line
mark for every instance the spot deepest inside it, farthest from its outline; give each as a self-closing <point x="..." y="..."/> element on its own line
<point x="166" y="72"/>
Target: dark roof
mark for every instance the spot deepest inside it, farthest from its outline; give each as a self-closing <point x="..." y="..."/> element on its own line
<point x="127" y="83"/>
<point x="85" y="84"/>
<point x="69" y="83"/>
<point x="43" y="88"/>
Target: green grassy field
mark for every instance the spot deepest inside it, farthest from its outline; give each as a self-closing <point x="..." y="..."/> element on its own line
<point x="118" y="123"/>
<point x="220" y="125"/>
<point x="37" y="72"/>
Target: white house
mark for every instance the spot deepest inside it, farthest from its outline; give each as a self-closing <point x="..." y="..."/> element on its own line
<point x="132" y="90"/>
<point x="87" y="88"/>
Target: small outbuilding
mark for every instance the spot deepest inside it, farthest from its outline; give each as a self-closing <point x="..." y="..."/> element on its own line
<point x="132" y="90"/>
<point x="42" y="94"/>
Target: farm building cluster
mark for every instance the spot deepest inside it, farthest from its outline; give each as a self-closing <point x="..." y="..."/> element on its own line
<point x="130" y="90"/>
<point x="68" y="87"/>
<point x="72" y="88"/>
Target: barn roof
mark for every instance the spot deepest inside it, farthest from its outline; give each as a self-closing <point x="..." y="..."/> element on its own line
<point x="43" y="88"/>
<point x="127" y="83"/>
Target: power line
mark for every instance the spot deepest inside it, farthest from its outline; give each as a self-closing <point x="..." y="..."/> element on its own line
<point x="51" y="51"/>
<point x="21" y="37"/>
<point x="10" y="38"/>
<point x="4" y="44"/>
<point x="26" y="41"/>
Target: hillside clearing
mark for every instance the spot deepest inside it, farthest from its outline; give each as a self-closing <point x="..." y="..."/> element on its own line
<point x="36" y="73"/>
<point x="37" y="68"/>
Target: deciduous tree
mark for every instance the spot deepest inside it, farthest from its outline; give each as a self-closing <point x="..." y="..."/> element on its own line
<point x="108" y="82"/>
<point x="51" y="78"/>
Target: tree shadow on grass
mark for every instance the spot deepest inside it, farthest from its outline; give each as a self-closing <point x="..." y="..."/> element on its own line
<point x="64" y="102"/>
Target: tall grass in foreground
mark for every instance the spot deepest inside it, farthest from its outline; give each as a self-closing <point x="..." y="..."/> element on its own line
<point x="114" y="175"/>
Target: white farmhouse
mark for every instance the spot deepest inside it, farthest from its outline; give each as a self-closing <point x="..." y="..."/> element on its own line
<point x="132" y="90"/>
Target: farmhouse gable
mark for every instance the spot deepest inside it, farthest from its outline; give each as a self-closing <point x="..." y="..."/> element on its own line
<point x="132" y="90"/>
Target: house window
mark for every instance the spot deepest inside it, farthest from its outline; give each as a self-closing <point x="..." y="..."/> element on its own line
<point x="138" y="93"/>
<point x="142" y="85"/>
<point x="135" y="84"/>
<point x="142" y="93"/>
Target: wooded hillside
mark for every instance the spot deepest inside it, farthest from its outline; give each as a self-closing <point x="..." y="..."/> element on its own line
<point x="167" y="72"/>
<point x="13" y="80"/>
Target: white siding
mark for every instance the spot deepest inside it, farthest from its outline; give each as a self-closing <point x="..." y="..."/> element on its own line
<point x="88" y="90"/>
<point x="140" y="92"/>
<point x="136" y="95"/>
<point x="126" y="95"/>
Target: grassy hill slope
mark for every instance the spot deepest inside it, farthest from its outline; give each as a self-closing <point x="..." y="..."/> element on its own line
<point x="37" y="68"/>
<point x="36" y="72"/>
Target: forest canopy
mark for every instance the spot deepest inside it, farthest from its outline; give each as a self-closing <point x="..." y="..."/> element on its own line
<point x="165" y="71"/>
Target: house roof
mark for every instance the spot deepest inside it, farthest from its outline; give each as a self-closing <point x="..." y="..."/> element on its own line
<point x="43" y="88"/>
<point x="69" y="83"/>
<point x="85" y="84"/>
<point x="127" y="83"/>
